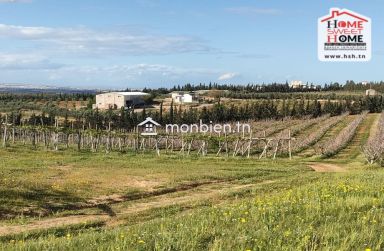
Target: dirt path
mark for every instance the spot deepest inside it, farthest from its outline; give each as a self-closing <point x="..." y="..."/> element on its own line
<point x="324" y="168"/>
<point x="50" y="223"/>
<point x="353" y="150"/>
<point x="374" y="127"/>
<point x="209" y="191"/>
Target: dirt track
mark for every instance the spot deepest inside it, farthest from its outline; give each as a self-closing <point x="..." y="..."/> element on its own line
<point x="323" y="167"/>
<point x="209" y="191"/>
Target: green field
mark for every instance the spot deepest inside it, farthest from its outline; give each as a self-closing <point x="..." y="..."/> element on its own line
<point x="70" y="200"/>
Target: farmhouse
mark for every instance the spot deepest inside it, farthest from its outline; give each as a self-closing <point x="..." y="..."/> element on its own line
<point x="296" y="84"/>
<point x="183" y="97"/>
<point x="371" y="92"/>
<point x="116" y="100"/>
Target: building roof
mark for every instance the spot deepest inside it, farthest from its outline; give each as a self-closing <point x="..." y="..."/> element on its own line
<point x="133" y="93"/>
<point x="149" y="120"/>
<point x="336" y="13"/>
<point x="183" y="92"/>
<point x="129" y="93"/>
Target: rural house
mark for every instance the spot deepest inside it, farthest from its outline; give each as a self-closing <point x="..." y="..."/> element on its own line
<point x="296" y="84"/>
<point x="371" y="92"/>
<point x="183" y="97"/>
<point x="116" y="100"/>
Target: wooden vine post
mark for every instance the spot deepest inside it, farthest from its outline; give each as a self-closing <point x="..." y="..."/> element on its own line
<point x="5" y="124"/>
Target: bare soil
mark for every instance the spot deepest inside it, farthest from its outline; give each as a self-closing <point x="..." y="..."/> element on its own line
<point x="110" y="218"/>
<point x="324" y="167"/>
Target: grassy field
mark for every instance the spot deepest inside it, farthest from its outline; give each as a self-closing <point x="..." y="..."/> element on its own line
<point x="66" y="200"/>
<point x="333" y="212"/>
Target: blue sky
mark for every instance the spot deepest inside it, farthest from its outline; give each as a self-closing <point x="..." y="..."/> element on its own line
<point x="137" y="43"/>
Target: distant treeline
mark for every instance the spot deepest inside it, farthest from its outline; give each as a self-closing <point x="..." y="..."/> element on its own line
<point x="290" y="95"/>
<point x="271" y="90"/>
<point x="12" y="102"/>
<point x="46" y="96"/>
<point x="250" y="88"/>
<point x="350" y="85"/>
<point x="252" y="110"/>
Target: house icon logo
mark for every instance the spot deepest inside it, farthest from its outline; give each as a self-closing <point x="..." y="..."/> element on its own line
<point x="148" y="127"/>
<point x="344" y="36"/>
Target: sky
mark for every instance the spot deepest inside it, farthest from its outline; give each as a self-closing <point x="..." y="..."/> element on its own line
<point x="161" y="43"/>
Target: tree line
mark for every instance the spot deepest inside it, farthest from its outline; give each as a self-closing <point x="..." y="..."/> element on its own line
<point x="127" y="119"/>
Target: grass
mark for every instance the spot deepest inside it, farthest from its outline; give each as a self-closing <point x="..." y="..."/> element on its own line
<point x="189" y="203"/>
<point x="40" y="183"/>
<point x="332" y="212"/>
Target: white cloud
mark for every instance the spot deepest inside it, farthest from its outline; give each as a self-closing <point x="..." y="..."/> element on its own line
<point x="139" y="71"/>
<point x="246" y="10"/>
<point x="228" y="75"/>
<point x="103" y="42"/>
<point x="26" y="62"/>
<point x="114" y="76"/>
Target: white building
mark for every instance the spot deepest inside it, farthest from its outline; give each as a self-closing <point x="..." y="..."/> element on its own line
<point x="183" y="97"/>
<point x="371" y="92"/>
<point x="295" y="84"/>
<point x="116" y="100"/>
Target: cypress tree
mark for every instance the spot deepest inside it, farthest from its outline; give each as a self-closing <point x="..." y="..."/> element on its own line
<point x="161" y="113"/>
<point x="171" y="115"/>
